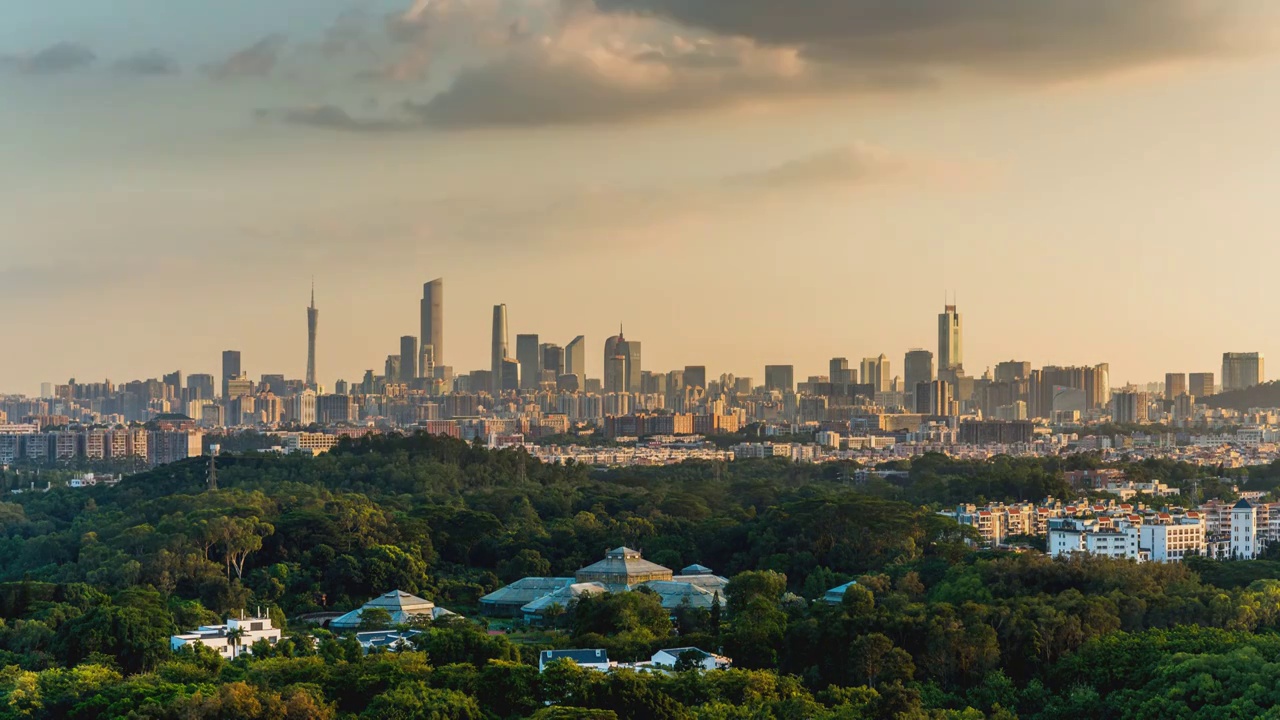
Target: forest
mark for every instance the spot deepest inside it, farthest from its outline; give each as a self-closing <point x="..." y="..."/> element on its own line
<point x="93" y="581"/>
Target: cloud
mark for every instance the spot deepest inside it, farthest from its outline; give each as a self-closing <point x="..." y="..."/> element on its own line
<point x="1064" y="38"/>
<point x="332" y="117"/>
<point x="58" y="58"/>
<point x="151" y="62"/>
<point x="840" y="166"/>
<point x="257" y="60"/>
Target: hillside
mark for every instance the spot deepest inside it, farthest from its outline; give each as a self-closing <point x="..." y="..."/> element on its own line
<point x="92" y="583"/>
<point x="1266" y="395"/>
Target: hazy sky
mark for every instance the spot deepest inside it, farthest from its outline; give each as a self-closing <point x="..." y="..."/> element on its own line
<point x="739" y="182"/>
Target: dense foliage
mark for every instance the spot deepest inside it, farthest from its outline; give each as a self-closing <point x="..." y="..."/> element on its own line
<point x="95" y="580"/>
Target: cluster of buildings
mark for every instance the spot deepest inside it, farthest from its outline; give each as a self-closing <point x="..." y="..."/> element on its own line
<point x="1240" y="530"/>
<point x="534" y="390"/>
<point x="30" y="442"/>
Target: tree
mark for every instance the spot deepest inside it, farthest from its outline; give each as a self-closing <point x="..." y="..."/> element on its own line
<point x="416" y="701"/>
<point x="375" y="618"/>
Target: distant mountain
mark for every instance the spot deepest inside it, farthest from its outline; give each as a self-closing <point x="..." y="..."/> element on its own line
<point x="1266" y="395"/>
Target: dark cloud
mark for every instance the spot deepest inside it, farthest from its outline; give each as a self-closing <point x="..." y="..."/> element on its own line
<point x="151" y="62"/>
<point x="257" y="60"/>
<point x="60" y="58"/>
<point x="541" y="86"/>
<point x="1005" y="37"/>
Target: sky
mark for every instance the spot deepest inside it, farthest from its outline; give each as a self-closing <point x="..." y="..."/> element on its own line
<point x="736" y="182"/>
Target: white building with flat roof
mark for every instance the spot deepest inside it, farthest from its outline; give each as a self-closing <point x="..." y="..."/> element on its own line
<point x="231" y="640"/>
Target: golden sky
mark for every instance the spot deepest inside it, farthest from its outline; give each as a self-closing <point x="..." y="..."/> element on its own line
<point x="739" y="182"/>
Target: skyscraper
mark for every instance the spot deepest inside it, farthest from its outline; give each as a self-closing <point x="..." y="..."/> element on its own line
<point x="391" y="372"/>
<point x="432" y="309"/>
<point x="498" y="351"/>
<point x="1242" y="370"/>
<point x="1201" y="385"/>
<point x="780" y="377"/>
<point x="613" y="351"/>
<point x="917" y="367"/>
<point x="575" y="359"/>
<point x="839" y="372"/>
<point x="1175" y="384"/>
<point x="695" y="376"/>
<point x="313" y="319"/>
<point x="408" y="359"/>
<point x="529" y="355"/>
<point x="552" y="359"/>
<point x="230" y="368"/>
<point x="876" y="373"/>
<point x="1012" y="371"/>
<point x="950" y="340"/>
<point x="632" y="371"/>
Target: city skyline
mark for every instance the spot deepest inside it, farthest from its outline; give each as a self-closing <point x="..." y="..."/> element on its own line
<point x="701" y="159"/>
<point x="916" y="365"/>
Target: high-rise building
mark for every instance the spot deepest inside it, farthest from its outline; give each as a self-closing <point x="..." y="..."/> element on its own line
<point x="408" y="359"/>
<point x="840" y="372"/>
<point x="632" y="368"/>
<point x="173" y="381"/>
<point x="695" y="376"/>
<point x="230" y="368"/>
<point x="1012" y="371"/>
<point x="432" y="318"/>
<point x="934" y="398"/>
<point x="391" y="373"/>
<point x="615" y="374"/>
<point x="1129" y="408"/>
<point x="1201" y="385"/>
<point x="780" y="377"/>
<point x="529" y="355"/>
<point x="875" y="372"/>
<point x="313" y="320"/>
<point x="575" y="359"/>
<point x="498" y="350"/>
<point x="510" y="375"/>
<point x="552" y="359"/>
<point x="950" y="340"/>
<point x="1242" y="370"/>
<point x="200" y="387"/>
<point x="1175" y="384"/>
<point x="917" y="367"/>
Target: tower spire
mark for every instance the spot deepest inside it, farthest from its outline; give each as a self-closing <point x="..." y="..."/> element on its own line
<point x="313" y="291"/>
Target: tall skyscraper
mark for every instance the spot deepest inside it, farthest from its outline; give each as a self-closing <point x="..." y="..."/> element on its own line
<point x="632" y="364"/>
<point x="950" y="340"/>
<point x="498" y="351"/>
<point x="200" y="387"/>
<point x="1201" y="385"/>
<point x="780" y="377"/>
<point x="1128" y="408"/>
<point x="1175" y="384"/>
<point x="1242" y="370"/>
<point x="575" y="359"/>
<point x="230" y="368"/>
<point x="695" y="376"/>
<point x="552" y="359"/>
<point x="408" y="359"/>
<point x="876" y="373"/>
<point x="529" y="355"/>
<point x="612" y="352"/>
<point x="391" y="371"/>
<point x="313" y="320"/>
<point x="840" y="373"/>
<point x="432" y="309"/>
<point x="917" y="367"/>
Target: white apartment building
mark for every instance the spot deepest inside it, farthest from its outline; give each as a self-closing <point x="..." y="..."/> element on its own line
<point x="232" y="640"/>
<point x="313" y="443"/>
<point x="1172" y="539"/>
<point x="1068" y="536"/>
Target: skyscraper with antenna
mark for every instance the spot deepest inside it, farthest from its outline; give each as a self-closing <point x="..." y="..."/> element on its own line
<point x="313" y="320"/>
<point x="950" y="338"/>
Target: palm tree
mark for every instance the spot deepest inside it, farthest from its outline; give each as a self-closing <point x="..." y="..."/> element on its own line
<point x="234" y="636"/>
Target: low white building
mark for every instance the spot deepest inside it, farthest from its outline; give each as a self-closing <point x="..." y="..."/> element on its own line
<point x="232" y="640"/>
<point x="668" y="659"/>
<point x="1172" y="541"/>
<point x="589" y="659"/>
